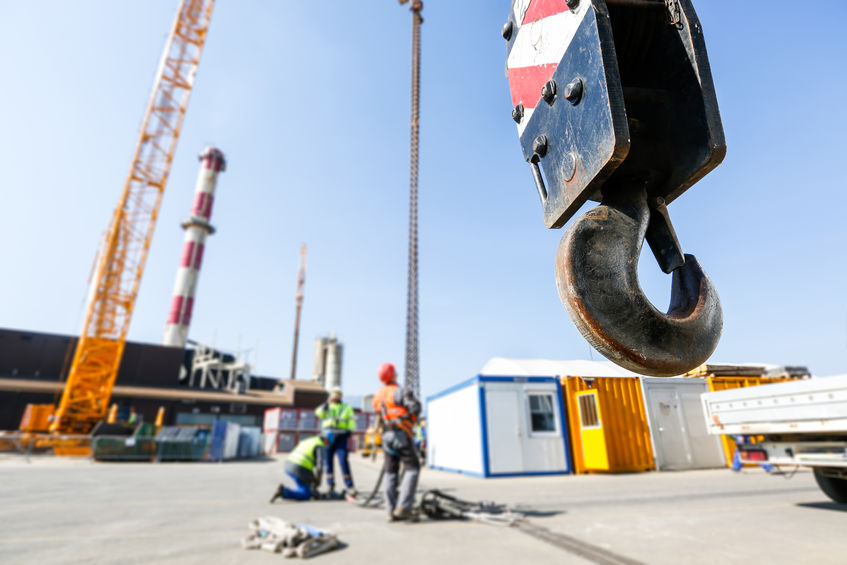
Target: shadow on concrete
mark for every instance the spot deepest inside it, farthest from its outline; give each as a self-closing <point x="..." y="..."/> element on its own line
<point x="260" y="459"/>
<point x="824" y="506"/>
<point x="167" y="461"/>
<point x="530" y="513"/>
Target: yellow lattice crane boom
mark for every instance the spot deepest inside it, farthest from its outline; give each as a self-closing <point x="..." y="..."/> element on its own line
<point x="120" y="264"/>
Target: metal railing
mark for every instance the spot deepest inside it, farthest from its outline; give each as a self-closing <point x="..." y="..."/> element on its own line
<point x="29" y="444"/>
<point x="185" y="444"/>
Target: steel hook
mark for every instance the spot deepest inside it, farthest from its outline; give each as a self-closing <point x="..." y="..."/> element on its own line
<point x="597" y="279"/>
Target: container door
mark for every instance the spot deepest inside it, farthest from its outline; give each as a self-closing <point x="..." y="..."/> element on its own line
<point x="594" y="454"/>
<point x="544" y="450"/>
<point x="668" y="426"/>
<point x="505" y="436"/>
<point x="706" y="450"/>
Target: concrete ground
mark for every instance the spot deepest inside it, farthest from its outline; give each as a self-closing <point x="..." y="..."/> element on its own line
<point x="76" y="511"/>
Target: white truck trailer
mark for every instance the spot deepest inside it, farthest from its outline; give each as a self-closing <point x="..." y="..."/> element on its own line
<point x="802" y="423"/>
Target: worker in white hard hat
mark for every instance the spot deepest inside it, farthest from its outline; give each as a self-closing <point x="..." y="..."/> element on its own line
<point x="338" y="418"/>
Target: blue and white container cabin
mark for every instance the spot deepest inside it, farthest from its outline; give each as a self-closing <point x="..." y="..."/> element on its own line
<point x="499" y="426"/>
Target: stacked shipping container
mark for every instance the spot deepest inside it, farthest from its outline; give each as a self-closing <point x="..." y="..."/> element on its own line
<point x="285" y="427"/>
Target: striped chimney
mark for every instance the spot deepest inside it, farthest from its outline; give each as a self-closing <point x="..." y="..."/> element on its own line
<point x="197" y="227"/>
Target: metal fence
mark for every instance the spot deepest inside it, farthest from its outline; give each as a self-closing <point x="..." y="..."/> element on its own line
<point x="30" y="444"/>
<point x="172" y="443"/>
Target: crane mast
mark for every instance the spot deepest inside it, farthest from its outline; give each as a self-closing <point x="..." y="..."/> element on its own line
<point x="122" y="257"/>
<point x="412" y="360"/>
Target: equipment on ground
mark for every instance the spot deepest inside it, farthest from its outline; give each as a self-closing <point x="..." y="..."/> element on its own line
<point x="437" y="506"/>
<point x="614" y="102"/>
<point x="794" y="423"/>
<point x="292" y="540"/>
<point x="123" y="254"/>
<point x="373" y="498"/>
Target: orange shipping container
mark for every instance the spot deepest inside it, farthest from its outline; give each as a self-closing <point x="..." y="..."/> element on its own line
<point x="607" y="424"/>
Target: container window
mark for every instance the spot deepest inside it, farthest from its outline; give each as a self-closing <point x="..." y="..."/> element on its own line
<point x="542" y="417"/>
<point x="588" y="411"/>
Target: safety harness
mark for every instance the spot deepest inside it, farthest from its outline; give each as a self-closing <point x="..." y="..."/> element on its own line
<point x="395" y="416"/>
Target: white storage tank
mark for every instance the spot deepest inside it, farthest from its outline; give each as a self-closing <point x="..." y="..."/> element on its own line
<point x="496" y="426"/>
<point x="327" y="362"/>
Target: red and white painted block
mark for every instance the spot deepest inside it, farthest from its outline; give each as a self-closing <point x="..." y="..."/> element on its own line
<point x="544" y="29"/>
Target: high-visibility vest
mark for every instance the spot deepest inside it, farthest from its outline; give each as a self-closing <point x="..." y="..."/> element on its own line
<point x="393" y="414"/>
<point x="338" y="416"/>
<point x="304" y="454"/>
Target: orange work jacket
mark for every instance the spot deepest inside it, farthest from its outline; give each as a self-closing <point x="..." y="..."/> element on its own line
<point x="393" y="414"/>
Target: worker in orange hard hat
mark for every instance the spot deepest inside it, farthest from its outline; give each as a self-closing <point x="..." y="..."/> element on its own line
<point x="398" y="409"/>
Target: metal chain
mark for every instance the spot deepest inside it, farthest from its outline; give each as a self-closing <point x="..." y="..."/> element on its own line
<point x="412" y="374"/>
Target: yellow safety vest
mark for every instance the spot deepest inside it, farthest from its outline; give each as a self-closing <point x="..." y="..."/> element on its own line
<point x="304" y="454"/>
<point x="337" y="417"/>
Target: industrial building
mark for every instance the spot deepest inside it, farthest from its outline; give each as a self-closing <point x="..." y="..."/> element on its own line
<point x="327" y="363"/>
<point x="181" y="381"/>
<point x="31" y="365"/>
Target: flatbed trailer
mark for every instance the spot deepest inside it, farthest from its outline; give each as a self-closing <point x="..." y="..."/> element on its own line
<point x="792" y="423"/>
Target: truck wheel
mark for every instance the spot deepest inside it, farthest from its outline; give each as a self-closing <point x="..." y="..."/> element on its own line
<point x="833" y="487"/>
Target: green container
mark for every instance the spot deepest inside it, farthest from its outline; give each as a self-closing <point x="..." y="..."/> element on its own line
<point x="117" y="448"/>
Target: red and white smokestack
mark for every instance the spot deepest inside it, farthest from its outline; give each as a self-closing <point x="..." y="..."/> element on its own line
<point x="197" y="227"/>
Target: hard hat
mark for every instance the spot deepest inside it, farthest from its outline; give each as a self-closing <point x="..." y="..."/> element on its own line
<point x="387" y="373"/>
<point x="335" y="391"/>
<point x="328" y="436"/>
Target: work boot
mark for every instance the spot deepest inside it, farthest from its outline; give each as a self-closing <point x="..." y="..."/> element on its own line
<point x="404" y="515"/>
<point x="278" y="494"/>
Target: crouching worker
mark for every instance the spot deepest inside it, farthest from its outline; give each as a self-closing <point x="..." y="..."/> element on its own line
<point x="304" y="465"/>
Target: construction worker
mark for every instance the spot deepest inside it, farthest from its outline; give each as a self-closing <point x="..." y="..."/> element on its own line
<point x="338" y="418"/>
<point x="398" y="409"/>
<point x="420" y="439"/>
<point x="304" y="465"/>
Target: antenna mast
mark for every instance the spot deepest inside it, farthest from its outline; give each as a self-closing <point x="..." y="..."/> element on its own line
<point x="301" y="283"/>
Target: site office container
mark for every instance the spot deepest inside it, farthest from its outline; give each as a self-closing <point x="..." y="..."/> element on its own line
<point x="633" y="424"/>
<point x="607" y="423"/>
<point x="678" y="429"/>
<point x="498" y="426"/>
<point x="284" y="428"/>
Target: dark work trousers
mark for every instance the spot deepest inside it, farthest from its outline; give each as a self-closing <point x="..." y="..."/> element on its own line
<point x="303" y="491"/>
<point x="340" y="445"/>
<point x="410" y="461"/>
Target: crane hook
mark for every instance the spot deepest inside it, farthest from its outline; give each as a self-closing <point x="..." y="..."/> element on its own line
<point x="597" y="279"/>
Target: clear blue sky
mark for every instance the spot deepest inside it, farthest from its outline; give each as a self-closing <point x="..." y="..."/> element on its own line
<point x="310" y="103"/>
